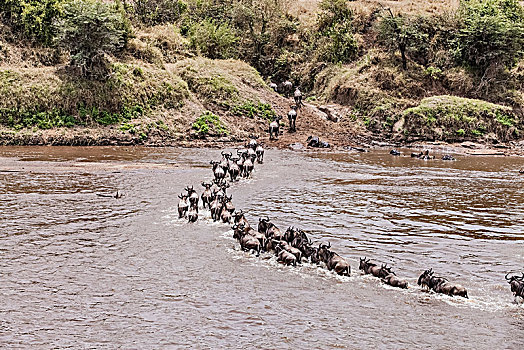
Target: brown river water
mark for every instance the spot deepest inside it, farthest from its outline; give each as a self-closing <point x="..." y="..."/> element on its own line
<point x="82" y="271"/>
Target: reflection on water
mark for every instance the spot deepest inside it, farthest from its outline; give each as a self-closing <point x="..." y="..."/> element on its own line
<point x="79" y="270"/>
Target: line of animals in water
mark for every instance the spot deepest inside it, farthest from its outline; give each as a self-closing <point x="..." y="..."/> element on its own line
<point x="293" y="246"/>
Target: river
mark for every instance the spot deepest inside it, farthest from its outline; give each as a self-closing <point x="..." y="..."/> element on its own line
<point x="83" y="271"/>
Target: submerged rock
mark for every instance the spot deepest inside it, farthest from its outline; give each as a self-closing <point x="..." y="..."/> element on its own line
<point x="394" y="152"/>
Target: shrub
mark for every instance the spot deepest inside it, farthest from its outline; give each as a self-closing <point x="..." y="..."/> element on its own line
<point x="90" y="30"/>
<point x="336" y="41"/>
<point x="209" y="124"/>
<point x="213" y="39"/>
<point x="255" y="110"/>
<point x="492" y="32"/>
<point x="34" y="18"/>
<point x="153" y="12"/>
<point x="410" y="36"/>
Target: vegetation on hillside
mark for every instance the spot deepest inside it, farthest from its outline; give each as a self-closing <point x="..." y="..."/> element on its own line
<point x="132" y="59"/>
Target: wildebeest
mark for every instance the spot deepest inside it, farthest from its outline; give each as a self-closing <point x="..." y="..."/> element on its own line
<point x="334" y="261"/>
<point x="216" y="208"/>
<point x="207" y="195"/>
<point x="394" y="152"/>
<point x="193" y="197"/>
<point x="295" y="251"/>
<point x="249" y="166"/>
<point x="234" y="169"/>
<point x="422" y="155"/>
<point x="260" y="154"/>
<point x="448" y="157"/>
<point x="247" y="241"/>
<point x="517" y="285"/>
<point x="252" y="143"/>
<point x="183" y="205"/>
<point x="287" y="88"/>
<point x="228" y="204"/>
<point x="440" y="284"/>
<point x="218" y="171"/>
<point x="298" y="97"/>
<point x="224" y="162"/>
<point x="192" y="214"/>
<point x="273" y="232"/>
<point x="225" y="213"/>
<point x="263" y="224"/>
<point x="292" y="118"/>
<point x="394" y="281"/>
<point x="274" y="128"/>
<point x="372" y="268"/>
<point x="240" y="218"/>
<point x="285" y="256"/>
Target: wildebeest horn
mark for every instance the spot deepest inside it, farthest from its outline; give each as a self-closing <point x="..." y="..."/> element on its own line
<point x="329" y="245"/>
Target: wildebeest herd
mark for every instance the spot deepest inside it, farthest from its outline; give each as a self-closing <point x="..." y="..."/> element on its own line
<point x="292" y="246"/>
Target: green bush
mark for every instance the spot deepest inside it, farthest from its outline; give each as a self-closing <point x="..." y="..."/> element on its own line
<point x="213" y="39"/>
<point x="255" y="110"/>
<point x="34" y="18"/>
<point x="492" y="32"/>
<point x="409" y="36"/>
<point x="90" y="30"/>
<point x="336" y="42"/>
<point x="209" y="124"/>
<point x="153" y="12"/>
<point x="42" y="119"/>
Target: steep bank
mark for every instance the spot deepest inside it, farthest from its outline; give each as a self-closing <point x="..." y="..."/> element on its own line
<point x="160" y="90"/>
<point x="147" y="104"/>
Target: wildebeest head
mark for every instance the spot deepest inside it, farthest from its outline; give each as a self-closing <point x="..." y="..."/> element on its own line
<point x="323" y="251"/>
<point x="425" y="278"/>
<point x="384" y="271"/>
<point x="363" y="263"/>
<point x="263" y="224"/>
<point x="517" y="284"/>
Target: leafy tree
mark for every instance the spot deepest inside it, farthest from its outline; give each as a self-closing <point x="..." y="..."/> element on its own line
<point x="492" y="32"/>
<point x="33" y="18"/>
<point x="153" y="12"/>
<point x="335" y="32"/>
<point x="265" y="27"/>
<point x="212" y="39"/>
<point x="409" y="36"/>
<point x="90" y="30"/>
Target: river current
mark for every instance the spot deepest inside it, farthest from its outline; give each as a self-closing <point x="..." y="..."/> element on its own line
<point x="83" y="271"/>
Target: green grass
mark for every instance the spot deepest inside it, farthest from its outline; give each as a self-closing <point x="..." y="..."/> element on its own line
<point x="209" y="124"/>
<point x="252" y="109"/>
<point x="454" y="119"/>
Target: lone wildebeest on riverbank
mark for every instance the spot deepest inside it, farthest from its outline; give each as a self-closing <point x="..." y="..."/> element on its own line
<point x="298" y="98"/>
<point x="287" y="88"/>
<point x="274" y="128"/>
<point x="292" y="118"/>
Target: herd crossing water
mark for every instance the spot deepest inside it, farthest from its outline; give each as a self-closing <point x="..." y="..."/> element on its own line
<point x="81" y="270"/>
